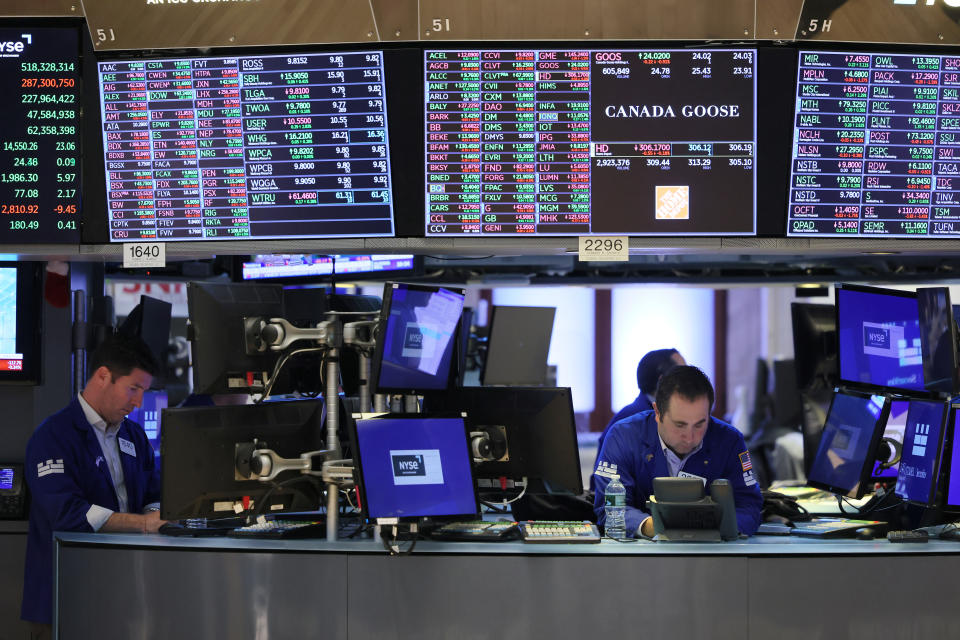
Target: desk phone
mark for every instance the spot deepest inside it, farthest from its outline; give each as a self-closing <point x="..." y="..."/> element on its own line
<point x="13" y="492"/>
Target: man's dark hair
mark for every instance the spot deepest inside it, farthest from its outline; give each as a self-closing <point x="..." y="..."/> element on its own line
<point x="121" y="354"/>
<point x="688" y="381"/>
<point x="652" y="367"/>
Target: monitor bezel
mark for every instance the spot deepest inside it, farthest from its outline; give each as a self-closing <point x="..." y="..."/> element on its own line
<point x="947" y="461"/>
<point x="938" y="460"/>
<point x="380" y="332"/>
<point x="360" y="485"/>
<point x="867" y="386"/>
<point x="866" y="469"/>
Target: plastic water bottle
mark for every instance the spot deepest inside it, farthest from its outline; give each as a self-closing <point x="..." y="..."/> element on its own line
<point x="615" y="504"/>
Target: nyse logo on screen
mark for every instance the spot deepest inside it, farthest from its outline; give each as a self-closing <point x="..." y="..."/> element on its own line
<point x="411" y="465"/>
<point x="876" y="337"/>
<point x="13" y="48"/>
<point x="416" y="466"/>
<point x="412" y="341"/>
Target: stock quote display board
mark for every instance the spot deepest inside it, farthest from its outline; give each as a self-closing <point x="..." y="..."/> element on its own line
<point x="580" y="142"/>
<point x="280" y="146"/>
<point x="876" y="147"/>
<point x="39" y="135"/>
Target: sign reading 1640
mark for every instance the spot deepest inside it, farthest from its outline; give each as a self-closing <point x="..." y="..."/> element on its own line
<point x="144" y="254"/>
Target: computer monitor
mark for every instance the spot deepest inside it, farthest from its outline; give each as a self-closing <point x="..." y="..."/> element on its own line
<point x="415" y="338"/>
<point x="785" y="398"/>
<point x="147" y="415"/>
<point x="412" y="466"/>
<point x="814" y="345"/>
<point x="21" y="287"/>
<point x="297" y="268"/>
<point x="950" y="474"/>
<point x="150" y="321"/>
<point x="922" y="445"/>
<point x="895" y="429"/>
<point x="938" y="340"/>
<point x="518" y="432"/>
<point x="518" y="346"/>
<point x="848" y="444"/>
<point x="218" y="335"/>
<point x="878" y="333"/>
<point x="199" y="461"/>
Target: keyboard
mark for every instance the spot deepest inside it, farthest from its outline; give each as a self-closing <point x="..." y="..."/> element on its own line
<point x="477" y="531"/>
<point x="559" y="531"/>
<point x="279" y="529"/>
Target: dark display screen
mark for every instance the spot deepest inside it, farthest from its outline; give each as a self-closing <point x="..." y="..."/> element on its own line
<point x="917" y="477"/>
<point x="39" y="135"/>
<point x="579" y="142"/>
<point x="879" y="339"/>
<point x="281" y="146"/>
<point x="876" y="147"/>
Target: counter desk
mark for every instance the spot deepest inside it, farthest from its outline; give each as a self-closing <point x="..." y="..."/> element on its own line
<point x="132" y="586"/>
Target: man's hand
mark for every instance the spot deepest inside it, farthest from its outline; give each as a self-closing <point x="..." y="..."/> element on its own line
<point x="152" y="522"/>
<point x="133" y="523"/>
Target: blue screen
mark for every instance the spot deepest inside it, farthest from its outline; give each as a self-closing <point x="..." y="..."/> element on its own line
<point x="415" y="467"/>
<point x="845" y="442"/>
<point x="879" y="339"/>
<point x="418" y="338"/>
<point x="917" y="476"/>
<point x="147" y="416"/>
<point x="6" y="478"/>
<point x="953" y="483"/>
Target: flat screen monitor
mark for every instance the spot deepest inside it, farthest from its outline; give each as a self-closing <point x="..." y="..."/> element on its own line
<point x="950" y="477"/>
<point x="814" y="345"/>
<point x="922" y="446"/>
<point x="302" y="267"/>
<point x="414" y="466"/>
<point x="222" y="359"/>
<point x="848" y="444"/>
<point x="246" y="147"/>
<point x="416" y="336"/>
<point x="874" y="145"/>
<point x="147" y="415"/>
<point x="938" y="340"/>
<point x="518" y="346"/>
<point x="40" y="132"/>
<point x="895" y="429"/>
<point x="150" y="321"/>
<point x="527" y="432"/>
<point x="878" y="334"/>
<point x="21" y="284"/>
<point x="199" y="462"/>
<point x="572" y="142"/>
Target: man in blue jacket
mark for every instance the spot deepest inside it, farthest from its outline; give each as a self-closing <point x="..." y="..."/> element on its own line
<point x="678" y="437"/>
<point x="89" y="468"/>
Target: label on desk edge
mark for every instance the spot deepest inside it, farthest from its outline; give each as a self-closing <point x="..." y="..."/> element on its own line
<point x="604" y="248"/>
<point x="138" y="255"/>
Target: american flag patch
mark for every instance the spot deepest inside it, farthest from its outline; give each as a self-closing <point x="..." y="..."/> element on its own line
<point x="745" y="461"/>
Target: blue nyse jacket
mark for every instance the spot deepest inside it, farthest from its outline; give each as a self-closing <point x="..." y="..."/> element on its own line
<point x="632" y="450"/>
<point x="67" y="473"/>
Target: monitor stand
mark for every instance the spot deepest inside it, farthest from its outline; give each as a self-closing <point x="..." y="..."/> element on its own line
<point x="689" y="535"/>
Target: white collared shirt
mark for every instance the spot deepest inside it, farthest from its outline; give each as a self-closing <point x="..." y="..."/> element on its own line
<point x="107" y="437"/>
<point x="674" y="462"/>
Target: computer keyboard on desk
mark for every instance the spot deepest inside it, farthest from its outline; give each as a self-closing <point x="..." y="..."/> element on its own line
<point x="279" y="528"/>
<point x="559" y="531"/>
<point x="476" y="531"/>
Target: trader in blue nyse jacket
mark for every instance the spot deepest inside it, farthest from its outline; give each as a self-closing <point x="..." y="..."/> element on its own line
<point x="678" y="437"/>
<point x="89" y="468"/>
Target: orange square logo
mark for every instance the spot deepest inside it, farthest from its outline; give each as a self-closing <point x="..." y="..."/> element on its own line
<point x="673" y="203"/>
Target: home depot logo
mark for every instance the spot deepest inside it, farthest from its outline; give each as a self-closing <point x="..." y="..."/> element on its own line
<point x="673" y="203"/>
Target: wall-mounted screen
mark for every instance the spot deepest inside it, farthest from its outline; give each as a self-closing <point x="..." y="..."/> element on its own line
<point x="876" y="145"/>
<point x="39" y="134"/>
<point x="303" y="266"/>
<point x="579" y="142"/>
<point x="272" y="146"/>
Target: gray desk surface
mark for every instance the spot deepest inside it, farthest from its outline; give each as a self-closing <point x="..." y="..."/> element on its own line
<point x="758" y="546"/>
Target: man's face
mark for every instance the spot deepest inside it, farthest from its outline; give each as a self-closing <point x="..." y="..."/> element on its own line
<point x="684" y="423"/>
<point x="122" y="395"/>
